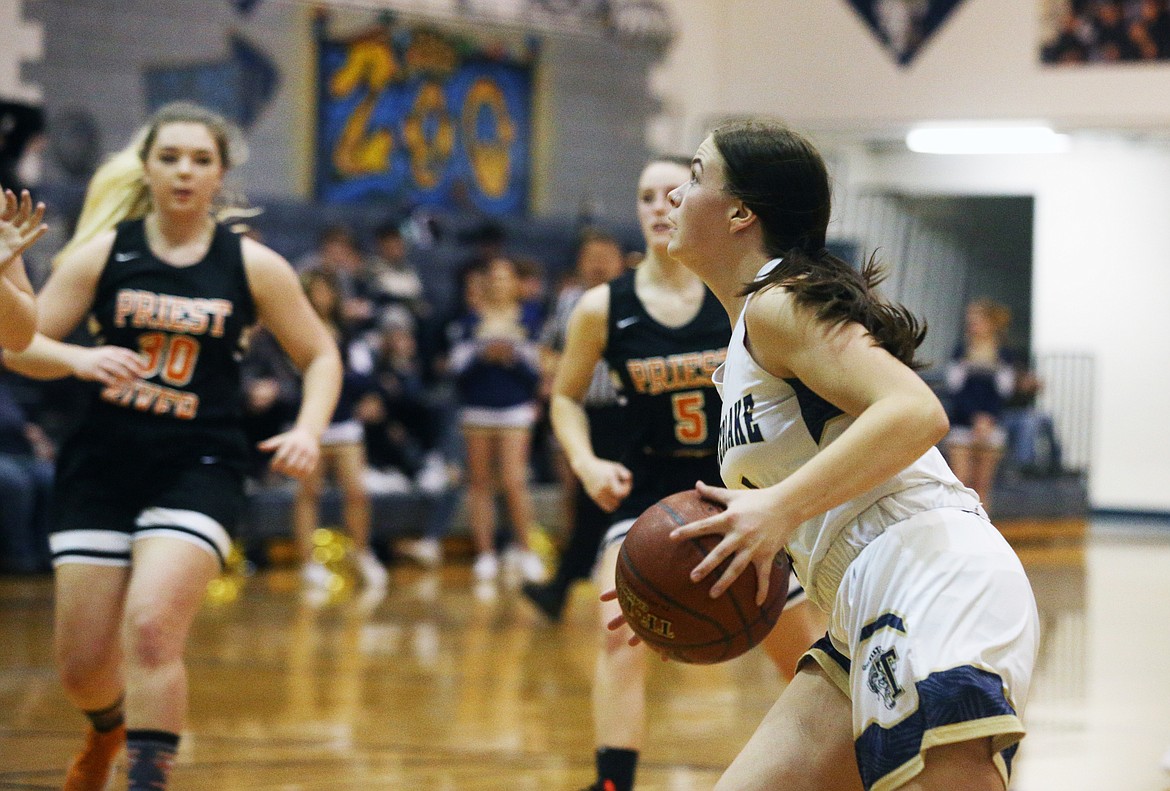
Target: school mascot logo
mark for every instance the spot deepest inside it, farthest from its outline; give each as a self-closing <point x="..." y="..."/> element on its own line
<point x="880" y="675"/>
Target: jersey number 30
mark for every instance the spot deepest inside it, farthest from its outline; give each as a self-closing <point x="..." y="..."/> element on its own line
<point x="690" y="417"/>
<point x="172" y="357"/>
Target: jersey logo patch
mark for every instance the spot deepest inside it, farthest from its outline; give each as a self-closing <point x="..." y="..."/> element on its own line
<point x="124" y="257"/>
<point x="880" y="668"/>
<point x="621" y="324"/>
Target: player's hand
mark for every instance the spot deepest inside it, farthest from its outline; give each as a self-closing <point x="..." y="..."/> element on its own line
<point x="109" y="365"/>
<point x="20" y="225"/>
<point x="294" y="453"/>
<point x="619" y="620"/>
<point x="748" y="526"/>
<point x="606" y="482"/>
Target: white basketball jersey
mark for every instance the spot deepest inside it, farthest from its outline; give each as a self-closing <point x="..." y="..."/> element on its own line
<point x="770" y="426"/>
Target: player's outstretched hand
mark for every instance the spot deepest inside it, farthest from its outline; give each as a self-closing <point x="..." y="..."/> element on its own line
<point x="749" y="528"/>
<point x="294" y="453"/>
<point x="21" y="224"/>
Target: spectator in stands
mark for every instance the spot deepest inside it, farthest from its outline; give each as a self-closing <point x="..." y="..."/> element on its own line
<point x="343" y="453"/>
<point x="1032" y="445"/>
<point x="1071" y="43"/>
<point x="388" y="278"/>
<point x="404" y="421"/>
<point x="599" y="260"/>
<point x="1112" y="42"/>
<point x="980" y="378"/>
<point x="1150" y="32"/>
<point x="410" y="432"/>
<point x="338" y="254"/>
<point x="20" y="227"/>
<point x="495" y="360"/>
<point x="26" y="480"/>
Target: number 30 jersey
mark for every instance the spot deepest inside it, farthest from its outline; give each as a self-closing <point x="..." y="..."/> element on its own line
<point x="665" y="372"/>
<point x="186" y="323"/>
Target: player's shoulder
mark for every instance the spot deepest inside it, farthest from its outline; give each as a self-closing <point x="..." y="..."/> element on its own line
<point x="92" y="253"/>
<point x="594" y="302"/>
<point x="258" y="254"/>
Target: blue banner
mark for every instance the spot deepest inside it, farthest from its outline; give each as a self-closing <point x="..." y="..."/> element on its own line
<point x="423" y="119"/>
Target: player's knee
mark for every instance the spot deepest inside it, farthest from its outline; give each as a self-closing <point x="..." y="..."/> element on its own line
<point x="80" y="664"/>
<point x="148" y="640"/>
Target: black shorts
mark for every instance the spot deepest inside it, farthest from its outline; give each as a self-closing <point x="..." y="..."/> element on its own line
<point x="656" y="477"/>
<point x="101" y="504"/>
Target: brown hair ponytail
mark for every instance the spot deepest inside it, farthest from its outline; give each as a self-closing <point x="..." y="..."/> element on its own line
<point x="781" y="177"/>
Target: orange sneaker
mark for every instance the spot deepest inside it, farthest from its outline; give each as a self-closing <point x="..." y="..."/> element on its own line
<point x="93" y="768"/>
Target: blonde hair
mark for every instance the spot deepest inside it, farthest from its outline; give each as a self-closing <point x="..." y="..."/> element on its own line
<point x="118" y="191"/>
<point x="997" y="314"/>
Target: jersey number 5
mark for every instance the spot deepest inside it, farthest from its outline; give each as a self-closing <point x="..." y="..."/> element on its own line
<point x="690" y="417"/>
<point x="172" y="357"/>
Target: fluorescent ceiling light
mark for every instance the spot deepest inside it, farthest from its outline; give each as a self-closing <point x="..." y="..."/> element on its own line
<point x="986" y="140"/>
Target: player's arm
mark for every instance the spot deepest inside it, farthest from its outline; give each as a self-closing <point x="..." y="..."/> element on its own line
<point x="21" y="224"/>
<point x="282" y="307"/>
<point x="607" y="482"/>
<point x="64" y="302"/>
<point x="897" y="419"/>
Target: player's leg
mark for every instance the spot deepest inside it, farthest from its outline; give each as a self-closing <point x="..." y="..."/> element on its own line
<point x="799" y="626"/>
<point x="805" y="742"/>
<point x="619" y="688"/>
<point x="166" y="589"/>
<point x="962" y="766"/>
<point x="88" y="617"/>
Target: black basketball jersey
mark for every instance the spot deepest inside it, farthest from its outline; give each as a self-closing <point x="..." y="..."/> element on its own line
<point x="186" y="322"/>
<point x="673" y="407"/>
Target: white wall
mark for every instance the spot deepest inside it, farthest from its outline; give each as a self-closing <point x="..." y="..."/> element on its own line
<point x="1101" y="258"/>
<point x="20" y="42"/>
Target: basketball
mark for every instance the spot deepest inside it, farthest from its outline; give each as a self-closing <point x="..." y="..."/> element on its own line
<point x="677" y="617"/>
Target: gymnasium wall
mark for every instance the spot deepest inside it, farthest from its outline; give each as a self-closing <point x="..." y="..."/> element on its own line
<point x="592" y="101"/>
<point x="1101" y="243"/>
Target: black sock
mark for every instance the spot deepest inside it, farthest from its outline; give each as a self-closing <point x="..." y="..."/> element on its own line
<point x="151" y="755"/>
<point x="105" y="720"/>
<point x="617" y="766"/>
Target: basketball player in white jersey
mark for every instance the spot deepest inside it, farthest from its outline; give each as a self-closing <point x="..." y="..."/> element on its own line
<point x="921" y="680"/>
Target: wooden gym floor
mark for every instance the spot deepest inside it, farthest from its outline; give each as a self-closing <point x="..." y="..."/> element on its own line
<point x="440" y="685"/>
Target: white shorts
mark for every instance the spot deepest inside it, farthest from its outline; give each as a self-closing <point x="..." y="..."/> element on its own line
<point x="347" y="432"/>
<point x="964" y="437"/>
<point x="933" y="637"/>
<point x="522" y="416"/>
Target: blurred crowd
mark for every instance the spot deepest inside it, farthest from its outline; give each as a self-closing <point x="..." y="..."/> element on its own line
<point x="1110" y="31"/>
<point x="418" y="370"/>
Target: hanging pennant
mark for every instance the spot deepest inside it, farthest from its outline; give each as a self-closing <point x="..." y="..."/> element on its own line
<point x="904" y="26"/>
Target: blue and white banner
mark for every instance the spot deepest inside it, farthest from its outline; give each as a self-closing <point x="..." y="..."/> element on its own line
<point x="417" y="117"/>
